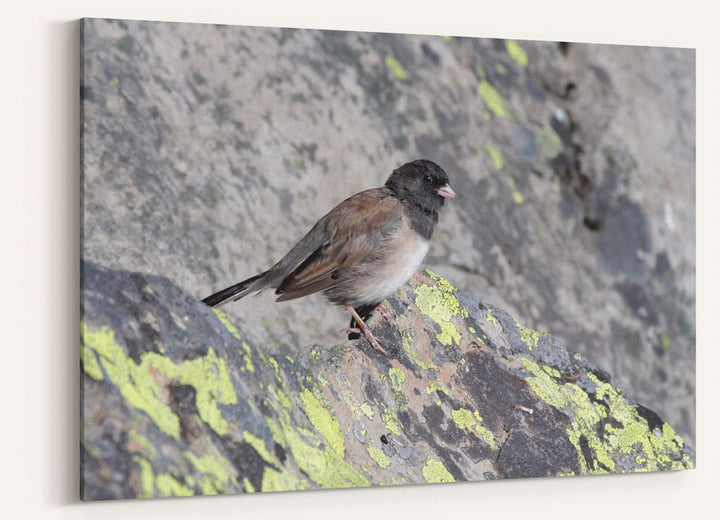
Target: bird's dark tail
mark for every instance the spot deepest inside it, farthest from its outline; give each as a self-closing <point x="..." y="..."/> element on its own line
<point x="235" y="292"/>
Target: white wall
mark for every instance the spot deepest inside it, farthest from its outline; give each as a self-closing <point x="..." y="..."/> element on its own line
<point x="39" y="198"/>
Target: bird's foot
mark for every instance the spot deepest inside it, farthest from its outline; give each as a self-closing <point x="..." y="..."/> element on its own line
<point x="374" y="343"/>
<point x="386" y="313"/>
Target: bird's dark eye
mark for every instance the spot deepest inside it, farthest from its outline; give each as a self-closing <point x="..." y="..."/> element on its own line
<point x="428" y="179"/>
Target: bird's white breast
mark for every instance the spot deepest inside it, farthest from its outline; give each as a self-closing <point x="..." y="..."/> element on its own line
<point x="397" y="268"/>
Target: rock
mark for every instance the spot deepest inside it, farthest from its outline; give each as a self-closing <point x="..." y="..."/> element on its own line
<point x="178" y="401"/>
<point x="209" y="150"/>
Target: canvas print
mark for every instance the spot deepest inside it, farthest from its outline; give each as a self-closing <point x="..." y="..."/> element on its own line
<point x="323" y="259"/>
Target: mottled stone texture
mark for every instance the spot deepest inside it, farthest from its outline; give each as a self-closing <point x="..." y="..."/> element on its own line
<point x="177" y="401"/>
<point x="209" y="150"/>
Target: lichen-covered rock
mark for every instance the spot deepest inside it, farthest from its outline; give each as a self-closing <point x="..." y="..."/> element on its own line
<point x="177" y="401"/>
<point x="209" y="150"/>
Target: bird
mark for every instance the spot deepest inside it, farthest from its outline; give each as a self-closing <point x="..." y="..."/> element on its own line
<point x="361" y="251"/>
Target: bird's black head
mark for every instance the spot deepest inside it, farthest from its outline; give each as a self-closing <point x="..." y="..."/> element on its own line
<point x="421" y="181"/>
<point x="423" y="186"/>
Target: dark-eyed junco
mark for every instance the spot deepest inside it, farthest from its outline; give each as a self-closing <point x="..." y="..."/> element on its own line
<point x="363" y="250"/>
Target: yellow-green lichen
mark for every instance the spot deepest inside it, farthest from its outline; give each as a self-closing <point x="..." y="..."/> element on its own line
<point x="440" y="304"/>
<point x="91" y="364"/>
<point x="278" y="397"/>
<point x="137" y="384"/>
<point x="276" y="432"/>
<point x="390" y="419"/>
<point x="139" y="443"/>
<point x="211" y="380"/>
<point x="216" y="473"/>
<point x="322" y="461"/>
<point x="529" y="336"/>
<point x="367" y="410"/>
<point x="258" y="445"/>
<point x="463" y="418"/>
<point x="325" y="467"/>
<point x="378" y="456"/>
<point x="270" y="362"/>
<point x="347" y="396"/>
<point x="516" y="195"/>
<point x="142" y="385"/>
<point x="665" y="341"/>
<point x="169" y="486"/>
<point x="471" y="421"/>
<point x="435" y="471"/>
<point x="627" y="435"/>
<point x="406" y="340"/>
<point x="544" y="386"/>
<point x="516" y="52"/>
<point x="311" y="436"/>
<point x="282" y="481"/>
<point x="225" y="321"/>
<point x="495" y="155"/>
<point x="550" y="142"/>
<point x="160" y="485"/>
<point x="248" y="357"/>
<point x="284" y="399"/>
<point x="432" y="387"/>
<point x="397" y="377"/>
<point x="490" y="317"/>
<point x="247" y="485"/>
<point x="325" y="422"/>
<point x="493" y="99"/>
<point x="397" y="70"/>
<point x="147" y="477"/>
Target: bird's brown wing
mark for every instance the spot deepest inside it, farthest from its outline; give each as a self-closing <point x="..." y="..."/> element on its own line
<point x="355" y="229"/>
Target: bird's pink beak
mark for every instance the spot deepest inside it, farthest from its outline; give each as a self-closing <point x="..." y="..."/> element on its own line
<point x="446" y="192"/>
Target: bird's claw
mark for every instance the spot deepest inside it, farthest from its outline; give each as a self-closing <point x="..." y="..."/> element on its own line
<point x="374" y="343"/>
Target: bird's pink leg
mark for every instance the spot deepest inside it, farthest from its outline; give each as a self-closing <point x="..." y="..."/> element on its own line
<point x="374" y="343"/>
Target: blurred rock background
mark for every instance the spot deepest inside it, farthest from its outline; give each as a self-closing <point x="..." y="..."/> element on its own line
<point x="208" y="151"/>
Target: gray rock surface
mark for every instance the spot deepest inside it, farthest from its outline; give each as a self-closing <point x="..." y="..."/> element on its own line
<point x="209" y="150"/>
<point x="178" y="401"/>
